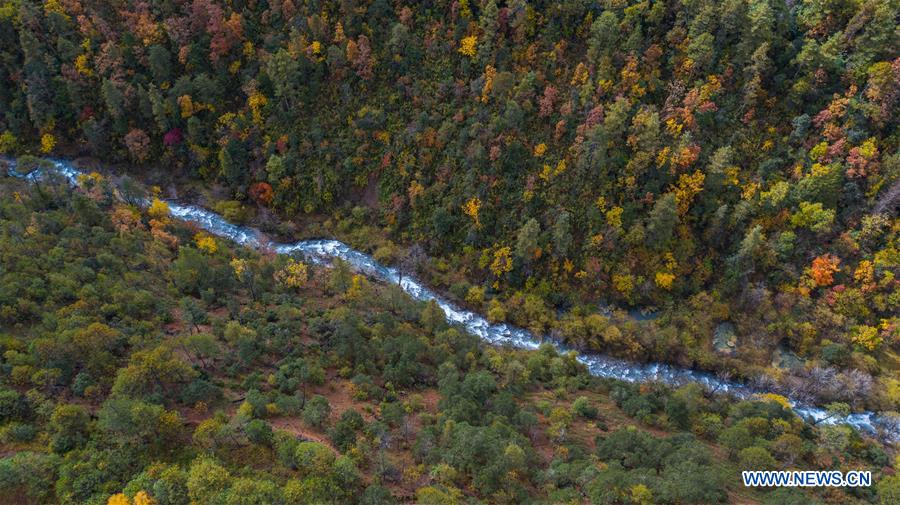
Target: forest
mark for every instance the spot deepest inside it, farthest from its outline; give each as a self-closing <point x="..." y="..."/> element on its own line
<point x="147" y="362"/>
<point x="713" y="184"/>
<point x="730" y="168"/>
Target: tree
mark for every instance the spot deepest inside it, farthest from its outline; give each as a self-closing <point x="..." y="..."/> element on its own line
<point x="207" y="480"/>
<point x="343" y="434"/>
<point x="48" y="142"/>
<point x="8" y="143"/>
<point x="602" y="39"/>
<point x="433" y="318"/>
<point x="138" y="143"/>
<point x="471" y="208"/>
<point x="468" y="46"/>
<point x="340" y="279"/>
<point x="662" y="221"/>
<point x="752" y="251"/>
<point x="641" y="495"/>
<point x="313" y="459"/>
<point x="251" y="491"/>
<point x="823" y="269"/>
<point x="361" y="58"/>
<point x="118" y="499"/>
<point x="316" y="411"/>
<point x="194" y="315"/>
<point x="160" y="63"/>
<point x="69" y="427"/>
<point x="259" y="432"/>
<point x="562" y="234"/>
<point x="735" y="438"/>
<point x="889" y="490"/>
<point x="502" y="262"/>
<point x="139" y="426"/>
<point x="27" y="474"/>
<point x="158" y="209"/>
<point x="814" y="217"/>
<point x="261" y="192"/>
<point x="756" y="458"/>
<point x="232" y="160"/>
<point x="583" y="408"/>
<point x="293" y="274"/>
<point x="151" y="373"/>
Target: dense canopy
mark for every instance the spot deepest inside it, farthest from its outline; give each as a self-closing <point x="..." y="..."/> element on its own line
<point x="712" y="183"/>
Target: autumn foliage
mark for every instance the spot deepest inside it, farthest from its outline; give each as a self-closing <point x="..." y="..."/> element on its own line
<point x="261" y="192"/>
<point x="706" y="162"/>
<point x="823" y="269"/>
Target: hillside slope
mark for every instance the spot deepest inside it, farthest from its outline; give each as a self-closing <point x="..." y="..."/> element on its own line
<point x="146" y="362"/>
<point x="729" y="164"/>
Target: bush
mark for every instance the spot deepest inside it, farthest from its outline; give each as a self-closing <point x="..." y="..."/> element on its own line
<point x="12" y="405"/>
<point x="582" y="407"/>
<point x="200" y="390"/>
<point x="259" y="432"/>
<point x="344" y="432"/>
<point x="285" y="448"/>
<point x="18" y="432"/>
<point x="29" y="475"/>
<point x="735" y="439"/>
<point x="313" y="459"/>
<point x="316" y="411"/>
<point x="756" y="458"/>
<point x="708" y="426"/>
<point x="289" y="405"/>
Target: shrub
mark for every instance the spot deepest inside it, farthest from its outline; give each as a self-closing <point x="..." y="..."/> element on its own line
<point x="582" y="407"/>
<point x="756" y="458"/>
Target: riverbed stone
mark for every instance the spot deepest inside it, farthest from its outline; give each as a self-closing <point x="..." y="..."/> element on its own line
<point x="725" y="338"/>
<point x="786" y="359"/>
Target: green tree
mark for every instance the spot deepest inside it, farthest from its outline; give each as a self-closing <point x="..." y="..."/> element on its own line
<point x="69" y="428"/>
<point x="662" y="222"/>
<point x="316" y="411"/>
<point x="527" y="240"/>
<point x="756" y="458"/>
<point x="207" y="481"/>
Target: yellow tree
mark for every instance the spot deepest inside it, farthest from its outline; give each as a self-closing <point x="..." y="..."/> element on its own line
<point x="772" y="397"/>
<point x="623" y="283"/>
<point x="206" y="243"/>
<point x="687" y="188"/>
<point x="471" y="208"/>
<point x="502" y="263"/>
<point x="489" y="73"/>
<point x="359" y="286"/>
<point x="158" y="209"/>
<point x="142" y="498"/>
<point x="866" y="337"/>
<point x="614" y="217"/>
<point x="186" y="105"/>
<point x="244" y="274"/>
<point x="468" y="46"/>
<point x="293" y="275"/>
<point x="256" y="101"/>
<point x="48" y="142"/>
<point x="118" y="499"/>
<point x="664" y="280"/>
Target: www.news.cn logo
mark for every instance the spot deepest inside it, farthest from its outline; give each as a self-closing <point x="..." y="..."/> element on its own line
<point x="806" y="479"/>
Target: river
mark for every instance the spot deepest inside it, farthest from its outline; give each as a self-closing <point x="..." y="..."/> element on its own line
<point x="322" y="251"/>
